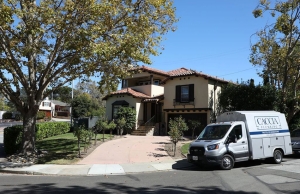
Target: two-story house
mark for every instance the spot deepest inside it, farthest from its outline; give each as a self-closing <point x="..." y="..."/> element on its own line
<point x="57" y="108"/>
<point x="158" y="96"/>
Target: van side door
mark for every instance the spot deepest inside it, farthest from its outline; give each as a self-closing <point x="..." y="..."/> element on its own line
<point x="240" y="146"/>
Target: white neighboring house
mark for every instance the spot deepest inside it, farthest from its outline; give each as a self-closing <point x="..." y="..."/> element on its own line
<point x="1" y="113"/>
<point x="57" y="107"/>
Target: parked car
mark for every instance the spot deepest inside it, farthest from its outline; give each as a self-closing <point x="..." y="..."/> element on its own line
<point x="295" y="139"/>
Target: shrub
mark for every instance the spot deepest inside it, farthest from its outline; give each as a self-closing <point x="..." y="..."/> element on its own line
<point x="130" y="116"/>
<point x="18" y="117"/>
<point x="40" y="115"/>
<point x="12" y="139"/>
<point x="7" y="115"/>
<point x="13" y="135"/>
<point x="49" y="129"/>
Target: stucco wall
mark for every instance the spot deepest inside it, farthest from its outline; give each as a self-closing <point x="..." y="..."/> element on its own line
<point x="133" y="102"/>
<point x="200" y="91"/>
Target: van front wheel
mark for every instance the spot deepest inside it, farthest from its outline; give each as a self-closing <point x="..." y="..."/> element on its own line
<point x="227" y="162"/>
<point x="277" y="156"/>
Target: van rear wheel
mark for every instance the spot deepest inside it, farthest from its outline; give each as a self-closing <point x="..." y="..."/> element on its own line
<point x="227" y="162"/>
<point x="277" y="156"/>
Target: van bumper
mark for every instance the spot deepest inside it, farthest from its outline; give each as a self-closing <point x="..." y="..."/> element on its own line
<point x="214" y="160"/>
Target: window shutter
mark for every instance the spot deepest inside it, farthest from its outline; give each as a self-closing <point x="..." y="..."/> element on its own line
<point x="50" y="104"/>
<point x="178" y="93"/>
<point x="43" y="104"/>
<point x="191" y="93"/>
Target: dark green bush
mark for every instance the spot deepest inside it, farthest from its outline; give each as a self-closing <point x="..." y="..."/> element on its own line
<point x="40" y="115"/>
<point x="7" y="115"/>
<point x="18" y="117"/>
<point x="49" y="129"/>
<point x="13" y="135"/>
<point x="12" y="139"/>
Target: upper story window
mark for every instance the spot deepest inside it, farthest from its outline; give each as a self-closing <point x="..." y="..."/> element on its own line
<point x="124" y="83"/>
<point x="156" y="82"/>
<point x="185" y="93"/>
<point x="47" y="104"/>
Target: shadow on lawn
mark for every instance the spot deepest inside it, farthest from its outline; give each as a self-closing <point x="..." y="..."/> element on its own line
<point x="58" y="149"/>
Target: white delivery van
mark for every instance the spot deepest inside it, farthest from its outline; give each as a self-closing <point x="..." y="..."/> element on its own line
<point x="240" y="136"/>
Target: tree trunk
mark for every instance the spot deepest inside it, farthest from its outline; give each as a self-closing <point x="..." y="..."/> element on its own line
<point x="95" y="139"/>
<point x="28" y="139"/>
<point x="79" y="153"/>
<point x="174" y="149"/>
<point x="103" y="135"/>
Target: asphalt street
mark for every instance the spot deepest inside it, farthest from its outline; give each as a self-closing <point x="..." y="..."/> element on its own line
<point x="246" y="178"/>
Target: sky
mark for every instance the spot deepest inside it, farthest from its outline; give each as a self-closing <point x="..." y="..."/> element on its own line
<point x="213" y="37"/>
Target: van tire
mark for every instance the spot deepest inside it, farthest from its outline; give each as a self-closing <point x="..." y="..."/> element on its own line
<point x="227" y="162"/>
<point x="277" y="156"/>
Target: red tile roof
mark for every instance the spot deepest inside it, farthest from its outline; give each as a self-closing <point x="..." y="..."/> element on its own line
<point x="128" y="91"/>
<point x="152" y="70"/>
<point x="181" y="71"/>
<point x="185" y="72"/>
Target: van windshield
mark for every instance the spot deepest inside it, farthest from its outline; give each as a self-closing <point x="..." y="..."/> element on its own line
<point x="213" y="132"/>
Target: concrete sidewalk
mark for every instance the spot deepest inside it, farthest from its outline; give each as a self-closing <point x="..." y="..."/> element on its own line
<point x="96" y="169"/>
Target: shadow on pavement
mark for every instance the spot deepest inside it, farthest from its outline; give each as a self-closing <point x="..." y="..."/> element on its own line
<point x="105" y="187"/>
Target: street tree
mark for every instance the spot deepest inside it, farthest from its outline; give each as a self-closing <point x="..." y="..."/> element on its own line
<point x="177" y="127"/>
<point x="63" y="94"/>
<point x="277" y="51"/>
<point x="89" y="86"/>
<point x="247" y="96"/>
<point x="193" y="124"/>
<point x="120" y="123"/>
<point x="46" y="44"/>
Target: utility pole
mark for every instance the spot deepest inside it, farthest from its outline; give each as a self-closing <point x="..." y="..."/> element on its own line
<point x="70" y="106"/>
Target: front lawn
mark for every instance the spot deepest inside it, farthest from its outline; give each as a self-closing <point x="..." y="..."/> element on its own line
<point x="62" y="149"/>
<point x="185" y="148"/>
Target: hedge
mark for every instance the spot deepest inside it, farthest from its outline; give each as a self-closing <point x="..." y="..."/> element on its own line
<point x="12" y="139"/>
<point x="40" y="115"/>
<point x="7" y="115"/>
<point x="13" y="135"/>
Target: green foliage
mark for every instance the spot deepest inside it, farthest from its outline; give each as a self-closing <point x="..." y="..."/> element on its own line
<point x="62" y="149"/>
<point x="78" y="38"/>
<point x="81" y="106"/>
<point x="63" y="94"/>
<point x="7" y="115"/>
<point x="120" y="123"/>
<point x="83" y="135"/>
<point x="177" y="126"/>
<point x="40" y="115"/>
<point x="185" y="148"/>
<point x="130" y="116"/>
<point x="12" y="139"/>
<point x="13" y="135"/>
<point x="18" y="117"/>
<point x="49" y="129"/>
<point x="247" y="96"/>
<point x="193" y="124"/>
<point x="276" y="49"/>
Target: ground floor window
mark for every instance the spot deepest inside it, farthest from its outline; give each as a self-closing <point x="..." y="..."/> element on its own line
<point x="116" y="106"/>
<point x="115" y="110"/>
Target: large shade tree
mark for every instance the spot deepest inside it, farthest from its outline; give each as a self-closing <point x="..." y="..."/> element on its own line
<point x="46" y="44"/>
<point x="277" y="51"/>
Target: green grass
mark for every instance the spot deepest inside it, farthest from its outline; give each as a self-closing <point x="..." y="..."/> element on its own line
<point x="185" y="148"/>
<point x="62" y="149"/>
